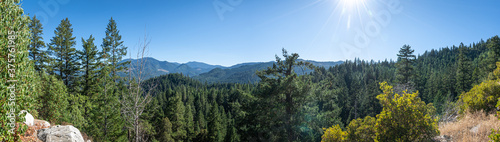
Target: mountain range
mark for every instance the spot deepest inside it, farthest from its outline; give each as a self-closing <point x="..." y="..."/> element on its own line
<point x="239" y="73"/>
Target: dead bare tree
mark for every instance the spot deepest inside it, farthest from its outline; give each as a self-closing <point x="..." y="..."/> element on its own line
<point x="136" y="99"/>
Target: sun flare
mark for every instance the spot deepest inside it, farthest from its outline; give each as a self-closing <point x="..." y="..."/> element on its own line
<point x="352" y="3"/>
<point x="352" y="8"/>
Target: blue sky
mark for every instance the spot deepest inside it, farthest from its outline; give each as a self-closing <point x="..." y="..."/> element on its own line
<point x="227" y="32"/>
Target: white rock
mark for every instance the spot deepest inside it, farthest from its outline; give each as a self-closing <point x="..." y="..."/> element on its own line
<point x="60" y="133"/>
<point x="29" y="120"/>
<point x="475" y="129"/>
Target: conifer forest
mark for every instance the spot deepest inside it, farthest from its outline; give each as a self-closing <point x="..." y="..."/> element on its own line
<point x="112" y="92"/>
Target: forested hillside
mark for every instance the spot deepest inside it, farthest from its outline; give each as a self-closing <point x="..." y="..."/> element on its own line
<point x="289" y="99"/>
<point x="154" y="68"/>
<point x="245" y="72"/>
<point x="239" y="73"/>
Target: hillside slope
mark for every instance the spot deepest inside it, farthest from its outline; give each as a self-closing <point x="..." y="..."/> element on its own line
<point x="245" y="73"/>
<point x="239" y="73"/>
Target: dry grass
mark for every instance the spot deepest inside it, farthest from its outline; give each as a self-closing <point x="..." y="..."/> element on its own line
<point x="461" y="130"/>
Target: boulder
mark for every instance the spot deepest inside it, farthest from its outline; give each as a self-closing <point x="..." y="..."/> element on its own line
<point x="28" y="118"/>
<point x="60" y="133"/>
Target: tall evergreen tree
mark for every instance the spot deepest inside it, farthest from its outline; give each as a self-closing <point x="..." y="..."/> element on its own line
<point x="200" y="121"/>
<point x="488" y="64"/>
<point x="90" y="81"/>
<point x="464" y="72"/>
<point x="280" y="92"/>
<point x="214" y="124"/>
<point x="89" y="61"/>
<point x="113" y="49"/>
<point x="64" y="54"/>
<point x="176" y="115"/>
<point x="494" y="45"/>
<point x="188" y="115"/>
<point x="108" y="122"/>
<point x="232" y="133"/>
<point x="167" y="131"/>
<point x="405" y="72"/>
<point x="36" y="54"/>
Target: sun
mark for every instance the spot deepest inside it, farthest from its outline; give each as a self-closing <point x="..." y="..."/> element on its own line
<point x="352" y="3"/>
<point x="352" y="8"/>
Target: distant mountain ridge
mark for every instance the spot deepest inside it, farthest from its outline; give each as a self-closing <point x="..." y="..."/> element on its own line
<point x="239" y="73"/>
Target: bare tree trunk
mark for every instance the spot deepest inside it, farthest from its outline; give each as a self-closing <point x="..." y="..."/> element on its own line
<point x="134" y="102"/>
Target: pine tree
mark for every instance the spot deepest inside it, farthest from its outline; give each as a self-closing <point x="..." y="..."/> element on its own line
<point x="280" y="91"/>
<point x="214" y="124"/>
<point x="36" y="54"/>
<point x="89" y="62"/>
<point x="464" y="79"/>
<point x="90" y="81"/>
<point x="114" y="50"/>
<point x="200" y="121"/>
<point x="18" y="82"/>
<point x="488" y="64"/>
<point x="110" y="56"/>
<point x="64" y="54"/>
<point x="405" y="72"/>
<point x="494" y="45"/>
<point x="232" y="133"/>
<point x="176" y="115"/>
<point x="106" y="116"/>
<point x="223" y="122"/>
<point x="167" y="131"/>
<point x="189" y="123"/>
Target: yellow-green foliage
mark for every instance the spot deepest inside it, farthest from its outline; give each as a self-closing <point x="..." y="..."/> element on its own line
<point x="333" y="134"/>
<point x="495" y="135"/>
<point x="481" y="97"/>
<point x="496" y="72"/>
<point x="361" y="130"/>
<point x="404" y="117"/>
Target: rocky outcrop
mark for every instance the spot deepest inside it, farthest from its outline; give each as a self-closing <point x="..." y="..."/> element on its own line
<point x="60" y="133"/>
<point x="40" y="131"/>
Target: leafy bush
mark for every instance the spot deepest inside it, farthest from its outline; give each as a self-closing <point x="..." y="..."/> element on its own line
<point x="19" y="94"/>
<point x="481" y="97"/>
<point x="404" y="117"/>
<point x="362" y="130"/>
<point x="333" y="134"/>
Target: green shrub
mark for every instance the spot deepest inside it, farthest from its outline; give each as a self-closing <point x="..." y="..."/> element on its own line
<point x="404" y="117"/>
<point x="333" y="134"/>
<point x="481" y="97"/>
<point x="362" y="130"/>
